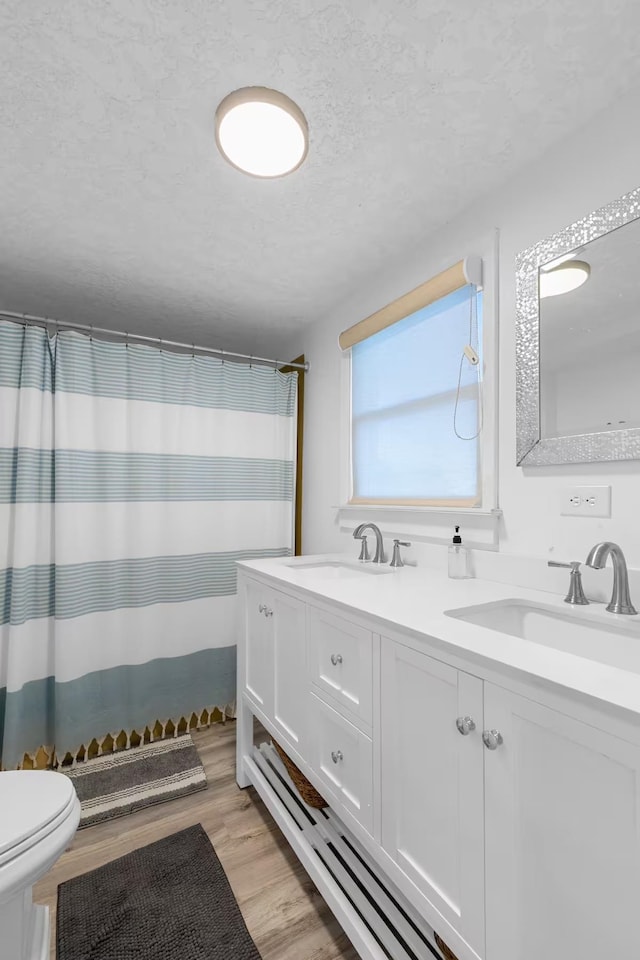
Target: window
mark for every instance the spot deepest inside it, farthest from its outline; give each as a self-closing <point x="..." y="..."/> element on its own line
<point x="416" y="410"/>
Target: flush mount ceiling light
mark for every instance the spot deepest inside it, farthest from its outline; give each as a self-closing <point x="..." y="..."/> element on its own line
<point x="563" y="277"/>
<point x="261" y="132"/>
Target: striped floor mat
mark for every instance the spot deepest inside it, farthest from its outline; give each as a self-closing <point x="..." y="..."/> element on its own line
<point x="121" y="783"/>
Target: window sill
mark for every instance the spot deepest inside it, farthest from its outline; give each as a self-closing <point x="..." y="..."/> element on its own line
<point x="428" y="524"/>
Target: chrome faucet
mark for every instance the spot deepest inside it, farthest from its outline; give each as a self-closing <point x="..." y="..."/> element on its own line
<point x="358" y="533"/>
<point x="620" y="599"/>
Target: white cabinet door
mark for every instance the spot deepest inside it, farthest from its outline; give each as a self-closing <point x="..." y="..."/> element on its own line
<point x="340" y="661"/>
<point x="562" y="836"/>
<point x="290" y="689"/>
<point x="276" y="659"/>
<point x="432" y="785"/>
<point x="258" y="659"/>
<point x="342" y="757"/>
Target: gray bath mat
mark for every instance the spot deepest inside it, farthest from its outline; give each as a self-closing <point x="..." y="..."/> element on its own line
<point x="170" y="900"/>
<point x="121" y="783"/>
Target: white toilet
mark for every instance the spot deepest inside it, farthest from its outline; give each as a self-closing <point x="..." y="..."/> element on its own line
<point x="39" y="814"/>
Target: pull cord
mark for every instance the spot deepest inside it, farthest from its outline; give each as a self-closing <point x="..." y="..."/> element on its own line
<point x="473" y="339"/>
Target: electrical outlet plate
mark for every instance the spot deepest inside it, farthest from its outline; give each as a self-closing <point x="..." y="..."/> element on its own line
<point x="586" y="502"/>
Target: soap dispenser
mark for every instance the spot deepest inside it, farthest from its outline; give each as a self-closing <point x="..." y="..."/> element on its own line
<point x="458" y="558"/>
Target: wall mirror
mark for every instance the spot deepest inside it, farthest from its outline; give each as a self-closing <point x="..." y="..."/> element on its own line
<point x="578" y="340"/>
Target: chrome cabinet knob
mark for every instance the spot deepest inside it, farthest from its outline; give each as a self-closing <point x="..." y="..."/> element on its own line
<point x="492" y="739"/>
<point x="337" y="756"/>
<point x="336" y="658"/>
<point x="268" y="612"/>
<point x="465" y="725"/>
<point x="262" y="608"/>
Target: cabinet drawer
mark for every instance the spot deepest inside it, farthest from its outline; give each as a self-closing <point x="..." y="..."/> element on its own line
<point x="342" y="756"/>
<point x="340" y="662"/>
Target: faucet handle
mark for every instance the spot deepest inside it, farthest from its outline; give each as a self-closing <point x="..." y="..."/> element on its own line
<point x="364" y="551"/>
<point x="396" y="559"/>
<point x="576" y="593"/>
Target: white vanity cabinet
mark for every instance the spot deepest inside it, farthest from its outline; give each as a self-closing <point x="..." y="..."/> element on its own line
<point x="503" y="811"/>
<point x="432" y="784"/>
<point x="562" y="807"/>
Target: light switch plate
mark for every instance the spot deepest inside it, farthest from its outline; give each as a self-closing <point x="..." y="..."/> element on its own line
<point x="586" y="502"/>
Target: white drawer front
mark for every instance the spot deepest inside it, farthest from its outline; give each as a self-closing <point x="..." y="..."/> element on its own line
<point x="340" y="661"/>
<point x="342" y="757"/>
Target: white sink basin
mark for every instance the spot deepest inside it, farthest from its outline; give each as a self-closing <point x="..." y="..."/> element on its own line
<point x="604" y="638"/>
<point x="336" y="569"/>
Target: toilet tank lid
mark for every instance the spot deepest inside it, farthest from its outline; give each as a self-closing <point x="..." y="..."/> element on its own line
<point x="29" y="800"/>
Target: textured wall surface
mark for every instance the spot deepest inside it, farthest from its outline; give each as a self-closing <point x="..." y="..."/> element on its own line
<point x="116" y="208"/>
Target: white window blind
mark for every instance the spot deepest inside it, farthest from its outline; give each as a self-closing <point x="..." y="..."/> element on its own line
<point x="406" y="433"/>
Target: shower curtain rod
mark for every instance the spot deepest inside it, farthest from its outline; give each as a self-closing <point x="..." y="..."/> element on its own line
<point x="26" y="318"/>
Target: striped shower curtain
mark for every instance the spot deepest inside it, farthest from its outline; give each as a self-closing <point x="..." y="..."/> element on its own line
<point x="131" y="480"/>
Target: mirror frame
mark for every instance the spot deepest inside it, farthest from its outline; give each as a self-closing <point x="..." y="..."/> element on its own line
<point x="531" y="448"/>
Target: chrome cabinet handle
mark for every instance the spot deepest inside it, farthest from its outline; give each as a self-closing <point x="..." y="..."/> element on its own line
<point x="465" y="725"/>
<point x="336" y="658"/>
<point x="337" y="756"/>
<point x="492" y="739"/>
<point x="262" y="608"/>
<point x="268" y="612"/>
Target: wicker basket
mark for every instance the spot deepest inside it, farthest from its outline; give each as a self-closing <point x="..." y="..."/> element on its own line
<point x="306" y="790"/>
<point x="444" y="949"/>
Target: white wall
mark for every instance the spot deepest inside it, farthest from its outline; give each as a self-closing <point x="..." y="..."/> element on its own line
<point x="582" y="173"/>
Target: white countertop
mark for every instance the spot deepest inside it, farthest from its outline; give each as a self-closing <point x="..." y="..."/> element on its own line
<point x="414" y="600"/>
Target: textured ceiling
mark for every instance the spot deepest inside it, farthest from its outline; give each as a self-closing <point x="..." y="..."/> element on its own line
<point x="116" y="209"/>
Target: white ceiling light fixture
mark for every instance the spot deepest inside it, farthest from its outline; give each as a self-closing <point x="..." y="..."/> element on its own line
<point x="563" y="278"/>
<point x="261" y="132"/>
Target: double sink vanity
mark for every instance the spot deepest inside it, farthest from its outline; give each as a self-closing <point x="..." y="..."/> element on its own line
<point x="478" y="746"/>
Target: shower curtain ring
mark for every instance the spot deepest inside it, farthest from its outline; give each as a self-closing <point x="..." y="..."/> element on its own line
<point x="91" y="333"/>
<point x="126" y="339"/>
<point x="250" y="361"/>
<point x="160" y="342"/>
<point x="193" y="351"/>
<point x="221" y="352"/>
